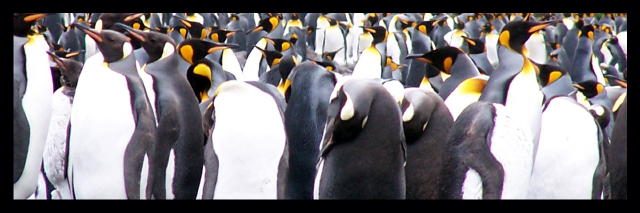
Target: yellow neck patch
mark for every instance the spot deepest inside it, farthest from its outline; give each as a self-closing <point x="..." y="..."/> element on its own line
<point x="183" y="32"/>
<point x="186" y="52"/>
<point x="472" y="86"/>
<point x="553" y="76"/>
<point x="286" y="46"/>
<point x="504" y="39"/>
<point x="425" y="82"/>
<point x="423" y="29"/>
<point x="202" y="70"/>
<point x="448" y="62"/>
<point x="619" y="101"/>
<point x="528" y="68"/>
<point x="214" y="37"/>
<point x="274" y="22"/>
<point x="284" y="86"/>
<point x="136" y="26"/>
<point x="203" y="33"/>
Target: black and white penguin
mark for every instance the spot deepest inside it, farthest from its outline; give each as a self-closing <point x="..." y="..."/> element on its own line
<point x="372" y="59"/>
<point x="426" y="122"/>
<point x="178" y="148"/>
<point x="307" y="91"/>
<point x="240" y="165"/>
<point x="55" y="159"/>
<point x="32" y="95"/>
<point x="568" y="151"/>
<point x="112" y="130"/>
<point x="363" y="147"/>
<point x="493" y="140"/>
<point x="478" y="53"/>
<point x="421" y="43"/>
<point x="456" y="68"/>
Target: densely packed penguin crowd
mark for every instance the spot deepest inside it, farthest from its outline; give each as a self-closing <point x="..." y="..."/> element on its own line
<point x="320" y="106"/>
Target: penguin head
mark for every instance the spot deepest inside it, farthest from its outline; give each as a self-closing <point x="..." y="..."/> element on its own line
<point x="220" y="35"/>
<point x="200" y="77"/>
<point x="328" y="65"/>
<point x="516" y="33"/>
<point x="607" y="29"/>
<point x="379" y="34"/>
<point x="273" y="57"/>
<point x="550" y="73"/>
<point x="69" y="69"/>
<point x="442" y="58"/>
<point x="587" y="31"/>
<point x="426" y="27"/>
<point x="329" y="56"/>
<point x="279" y="44"/>
<point x="476" y="46"/>
<point x="406" y="23"/>
<point x="162" y="29"/>
<point x="195" y="29"/>
<point x="348" y="111"/>
<point x="157" y="45"/>
<point x="267" y="24"/>
<point x="416" y="107"/>
<point x="601" y="113"/>
<point x="113" y="45"/>
<point x="23" y="22"/>
<point x="589" y="88"/>
<point x="108" y="20"/>
<point x="192" y="50"/>
<point x="287" y="64"/>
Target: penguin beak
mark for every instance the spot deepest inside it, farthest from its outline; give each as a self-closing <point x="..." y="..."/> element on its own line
<point x="540" y="26"/>
<point x="57" y="60"/>
<point x="137" y="34"/>
<point x="91" y="32"/>
<point x="133" y="17"/>
<point x="257" y="29"/>
<point x="271" y="41"/>
<point x="72" y="54"/>
<point x="468" y="40"/>
<point x="34" y="17"/>
<point x="619" y="81"/>
<point x="419" y="57"/>
<point x="578" y="86"/>
<point x="185" y="23"/>
<point x="370" y="30"/>
<point x="220" y="46"/>
<point x="231" y="34"/>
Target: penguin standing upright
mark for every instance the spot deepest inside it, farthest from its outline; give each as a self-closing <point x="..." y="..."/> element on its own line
<point x="240" y="165"/>
<point x="493" y="140"/>
<point x="426" y="122"/>
<point x="371" y="61"/>
<point x="179" y="151"/>
<point x="307" y="91"/>
<point x="363" y="147"/>
<point x="420" y="43"/>
<point x="32" y="94"/>
<point x="112" y="130"/>
<point x="568" y="152"/>
<point x="56" y="148"/>
<point x="617" y="155"/>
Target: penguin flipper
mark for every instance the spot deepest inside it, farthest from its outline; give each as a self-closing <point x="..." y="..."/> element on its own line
<point x="283" y="170"/>
<point x="488" y="167"/>
<point x="600" y="183"/>
<point x="211" y="171"/>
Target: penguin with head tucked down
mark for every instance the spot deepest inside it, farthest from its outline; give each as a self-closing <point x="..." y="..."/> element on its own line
<point x="240" y="165"/>
<point x="363" y="147"/>
<point x="493" y="140"/>
<point x="179" y="151"/>
<point x="426" y="122"/>
<point x="306" y="90"/>
<point x="110" y="150"/>
<point x="55" y="159"/>
<point x="32" y="91"/>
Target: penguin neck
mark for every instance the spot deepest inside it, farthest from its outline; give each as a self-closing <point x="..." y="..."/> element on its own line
<point x="511" y="64"/>
<point x="164" y="66"/>
<point x="560" y="87"/>
<point x="581" y="70"/>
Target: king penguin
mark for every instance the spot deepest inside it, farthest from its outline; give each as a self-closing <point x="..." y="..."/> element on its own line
<point x="110" y="143"/>
<point x="372" y="59"/>
<point x="55" y="159"/>
<point x="461" y="85"/>
<point x="307" y="91"/>
<point x="245" y="154"/>
<point x="568" y="150"/>
<point x="617" y="155"/>
<point x="426" y="122"/>
<point x="478" y="53"/>
<point x="178" y="148"/>
<point x="493" y="140"/>
<point x="363" y="147"/>
<point x="32" y="96"/>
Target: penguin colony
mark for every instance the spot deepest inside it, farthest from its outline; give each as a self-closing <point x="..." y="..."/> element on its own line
<point x="320" y="106"/>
